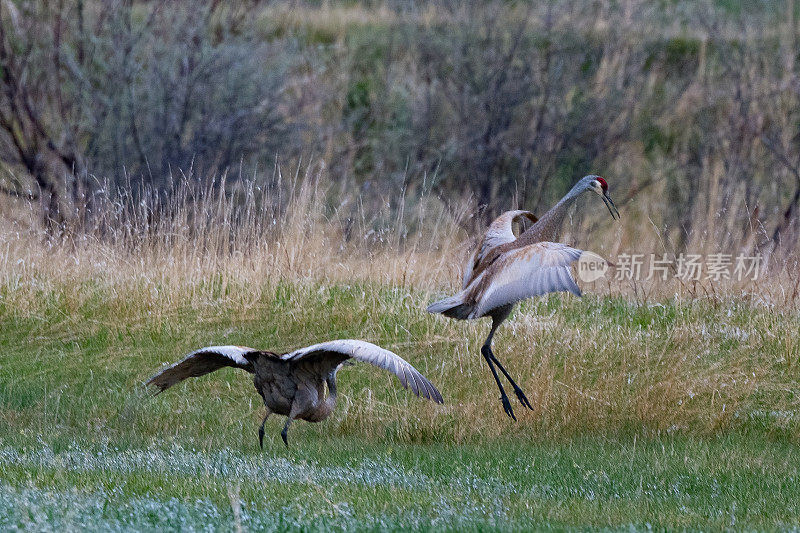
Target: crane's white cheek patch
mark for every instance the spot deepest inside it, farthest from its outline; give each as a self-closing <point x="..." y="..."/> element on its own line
<point x="591" y="267"/>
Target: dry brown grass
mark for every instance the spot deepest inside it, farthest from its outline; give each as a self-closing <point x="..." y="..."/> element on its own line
<point x="653" y="357"/>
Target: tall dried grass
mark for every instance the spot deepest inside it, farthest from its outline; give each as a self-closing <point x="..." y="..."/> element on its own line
<point x="261" y="230"/>
<point x="305" y="227"/>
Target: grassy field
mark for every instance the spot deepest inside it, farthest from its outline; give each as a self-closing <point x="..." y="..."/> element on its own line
<point x="399" y="129"/>
<point x="655" y="405"/>
<point x="678" y="413"/>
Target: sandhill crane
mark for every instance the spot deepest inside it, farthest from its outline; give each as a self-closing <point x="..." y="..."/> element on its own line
<point x="293" y="384"/>
<point x="507" y="269"/>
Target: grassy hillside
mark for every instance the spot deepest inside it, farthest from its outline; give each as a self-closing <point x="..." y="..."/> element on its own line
<point x="655" y="404"/>
<point x="679" y="413"/>
<point x="78" y="353"/>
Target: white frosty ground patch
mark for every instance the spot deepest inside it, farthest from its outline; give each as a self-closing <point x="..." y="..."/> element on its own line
<point x="32" y="509"/>
<point x="223" y="464"/>
<point x="226" y="466"/>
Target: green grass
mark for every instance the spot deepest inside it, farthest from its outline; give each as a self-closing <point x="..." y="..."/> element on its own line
<point x="345" y="483"/>
<point x="668" y="415"/>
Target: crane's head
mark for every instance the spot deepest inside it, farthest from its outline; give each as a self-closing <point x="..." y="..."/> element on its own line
<point x="599" y="185"/>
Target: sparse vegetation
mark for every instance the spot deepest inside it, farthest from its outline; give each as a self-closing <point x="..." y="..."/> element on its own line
<point x="689" y="108"/>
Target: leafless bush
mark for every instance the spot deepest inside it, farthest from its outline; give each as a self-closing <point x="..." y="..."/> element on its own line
<point x="122" y="91"/>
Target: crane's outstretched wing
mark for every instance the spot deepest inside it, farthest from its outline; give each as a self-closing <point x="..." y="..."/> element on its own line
<point x="523" y="273"/>
<point x="500" y="231"/>
<point x="202" y="362"/>
<point x="326" y="356"/>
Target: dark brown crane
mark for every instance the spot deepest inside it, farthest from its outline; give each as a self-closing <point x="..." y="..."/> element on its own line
<point x="293" y="384"/>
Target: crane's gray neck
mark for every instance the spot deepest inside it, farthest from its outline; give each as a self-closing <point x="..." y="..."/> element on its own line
<point x="548" y="227"/>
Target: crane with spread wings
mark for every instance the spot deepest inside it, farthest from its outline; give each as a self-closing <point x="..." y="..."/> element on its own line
<point x="507" y="269"/>
<point x="293" y="384"/>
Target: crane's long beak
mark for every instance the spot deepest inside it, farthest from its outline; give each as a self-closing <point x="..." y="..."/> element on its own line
<point x="610" y="205"/>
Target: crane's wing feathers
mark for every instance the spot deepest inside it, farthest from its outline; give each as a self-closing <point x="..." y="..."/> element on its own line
<point x="499" y="232"/>
<point x="527" y="272"/>
<point x="333" y="353"/>
<point x="202" y="362"/>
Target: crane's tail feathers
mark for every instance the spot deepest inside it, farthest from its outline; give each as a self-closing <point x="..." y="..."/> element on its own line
<point x="453" y="307"/>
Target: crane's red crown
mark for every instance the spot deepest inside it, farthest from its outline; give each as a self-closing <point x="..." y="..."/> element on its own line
<point x="603" y="183"/>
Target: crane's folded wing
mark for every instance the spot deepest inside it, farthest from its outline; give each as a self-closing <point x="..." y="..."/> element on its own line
<point x="500" y="232"/>
<point x="332" y="353"/>
<point x="202" y="362"/>
<point x="527" y="272"/>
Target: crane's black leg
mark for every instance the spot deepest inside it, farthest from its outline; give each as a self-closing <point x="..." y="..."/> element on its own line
<point x="261" y="431"/>
<point x="285" y="431"/>
<point x="517" y="390"/>
<point x="486" y="352"/>
<point x="500" y="315"/>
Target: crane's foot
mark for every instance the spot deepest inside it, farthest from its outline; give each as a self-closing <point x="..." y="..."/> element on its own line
<point x="507" y="406"/>
<point x="517" y="390"/>
<point x="486" y="351"/>
<point x="522" y="398"/>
